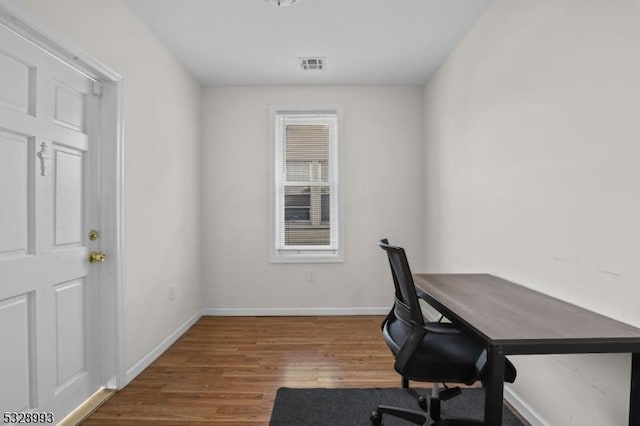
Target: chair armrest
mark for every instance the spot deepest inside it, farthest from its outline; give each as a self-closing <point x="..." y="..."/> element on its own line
<point x="416" y="334"/>
<point x="414" y="339"/>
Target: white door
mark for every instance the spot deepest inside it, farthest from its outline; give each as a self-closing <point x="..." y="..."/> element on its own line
<point x="48" y="204"/>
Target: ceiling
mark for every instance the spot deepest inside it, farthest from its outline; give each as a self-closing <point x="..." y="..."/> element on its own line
<point x="364" y="42"/>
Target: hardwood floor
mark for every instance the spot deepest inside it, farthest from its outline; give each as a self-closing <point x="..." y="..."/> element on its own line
<point x="226" y="370"/>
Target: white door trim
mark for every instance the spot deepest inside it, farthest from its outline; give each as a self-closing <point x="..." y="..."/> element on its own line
<point x="112" y="303"/>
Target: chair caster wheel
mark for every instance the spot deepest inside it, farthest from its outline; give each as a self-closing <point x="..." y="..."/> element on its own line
<point x="422" y="402"/>
<point x="376" y="418"/>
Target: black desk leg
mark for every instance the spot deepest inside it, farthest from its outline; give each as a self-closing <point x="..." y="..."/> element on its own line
<point x="634" y="402"/>
<point x="494" y="387"/>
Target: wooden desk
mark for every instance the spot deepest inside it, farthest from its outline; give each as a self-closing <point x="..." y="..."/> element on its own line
<point x="515" y="320"/>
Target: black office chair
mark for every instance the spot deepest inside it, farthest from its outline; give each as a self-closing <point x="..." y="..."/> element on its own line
<point x="433" y="352"/>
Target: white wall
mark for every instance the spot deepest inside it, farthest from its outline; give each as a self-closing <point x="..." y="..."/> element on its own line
<point x="383" y="145"/>
<point x="162" y="104"/>
<point x="533" y="141"/>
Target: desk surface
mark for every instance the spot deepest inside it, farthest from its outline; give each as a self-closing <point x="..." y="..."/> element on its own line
<point x="524" y="320"/>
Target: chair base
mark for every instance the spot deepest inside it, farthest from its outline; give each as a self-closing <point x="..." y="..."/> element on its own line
<point x="413" y="416"/>
<point x="417" y="417"/>
<point x="436" y="396"/>
<point x="422" y="400"/>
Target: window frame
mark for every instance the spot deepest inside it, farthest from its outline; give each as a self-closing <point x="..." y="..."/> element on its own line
<point x="334" y="252"/>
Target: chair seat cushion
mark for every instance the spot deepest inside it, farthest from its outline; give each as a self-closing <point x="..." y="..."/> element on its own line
<point x="446" y="355"/>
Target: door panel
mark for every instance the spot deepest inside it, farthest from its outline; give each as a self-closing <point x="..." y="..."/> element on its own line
<point x="16" y="368"/>
<point x="49" y="293"/>
<point x="16" y="84"/>
<point x="70" y="330"/>
<point x="69" y="107"/>
<point x="13" y="187"/>
<point x="68" y="189"/>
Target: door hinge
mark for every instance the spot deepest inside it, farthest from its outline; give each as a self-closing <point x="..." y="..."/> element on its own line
<point x="96" y="88"/>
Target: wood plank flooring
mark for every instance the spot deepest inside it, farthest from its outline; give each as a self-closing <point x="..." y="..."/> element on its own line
<point x="226" y="370"/>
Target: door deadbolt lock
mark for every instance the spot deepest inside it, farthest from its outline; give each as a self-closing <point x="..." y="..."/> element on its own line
<point x="96" y="256"/>
<point x="94" y="235"/>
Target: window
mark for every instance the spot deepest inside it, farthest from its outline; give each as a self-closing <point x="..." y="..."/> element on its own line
<point x="305" y="186"/>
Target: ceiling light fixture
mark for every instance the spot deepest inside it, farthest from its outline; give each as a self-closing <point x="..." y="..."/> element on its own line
<point x="282" y="2"/>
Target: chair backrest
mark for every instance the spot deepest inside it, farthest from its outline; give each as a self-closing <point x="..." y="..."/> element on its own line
<point x="407" y="306"/>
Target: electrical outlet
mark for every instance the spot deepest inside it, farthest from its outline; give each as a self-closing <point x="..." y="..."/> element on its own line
<point x="172" y="292"/>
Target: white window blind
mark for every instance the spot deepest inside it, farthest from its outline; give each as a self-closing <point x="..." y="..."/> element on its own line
<point x="306" y="214"/>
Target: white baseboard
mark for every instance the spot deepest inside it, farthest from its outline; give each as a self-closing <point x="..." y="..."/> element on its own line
<point x="252" y="312"/>
<point x="524" y="409"/>
<point x="146" y="360"/>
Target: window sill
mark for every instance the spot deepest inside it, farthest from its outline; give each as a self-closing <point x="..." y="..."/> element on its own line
<point x="296" y="257"/>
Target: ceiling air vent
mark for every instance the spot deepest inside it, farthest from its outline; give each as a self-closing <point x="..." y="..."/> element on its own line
<point x="313" y="63"/>
<point x="282" y="2"/>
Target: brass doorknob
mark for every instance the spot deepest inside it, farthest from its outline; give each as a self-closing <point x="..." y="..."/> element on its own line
<point x="96" y="256"/>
